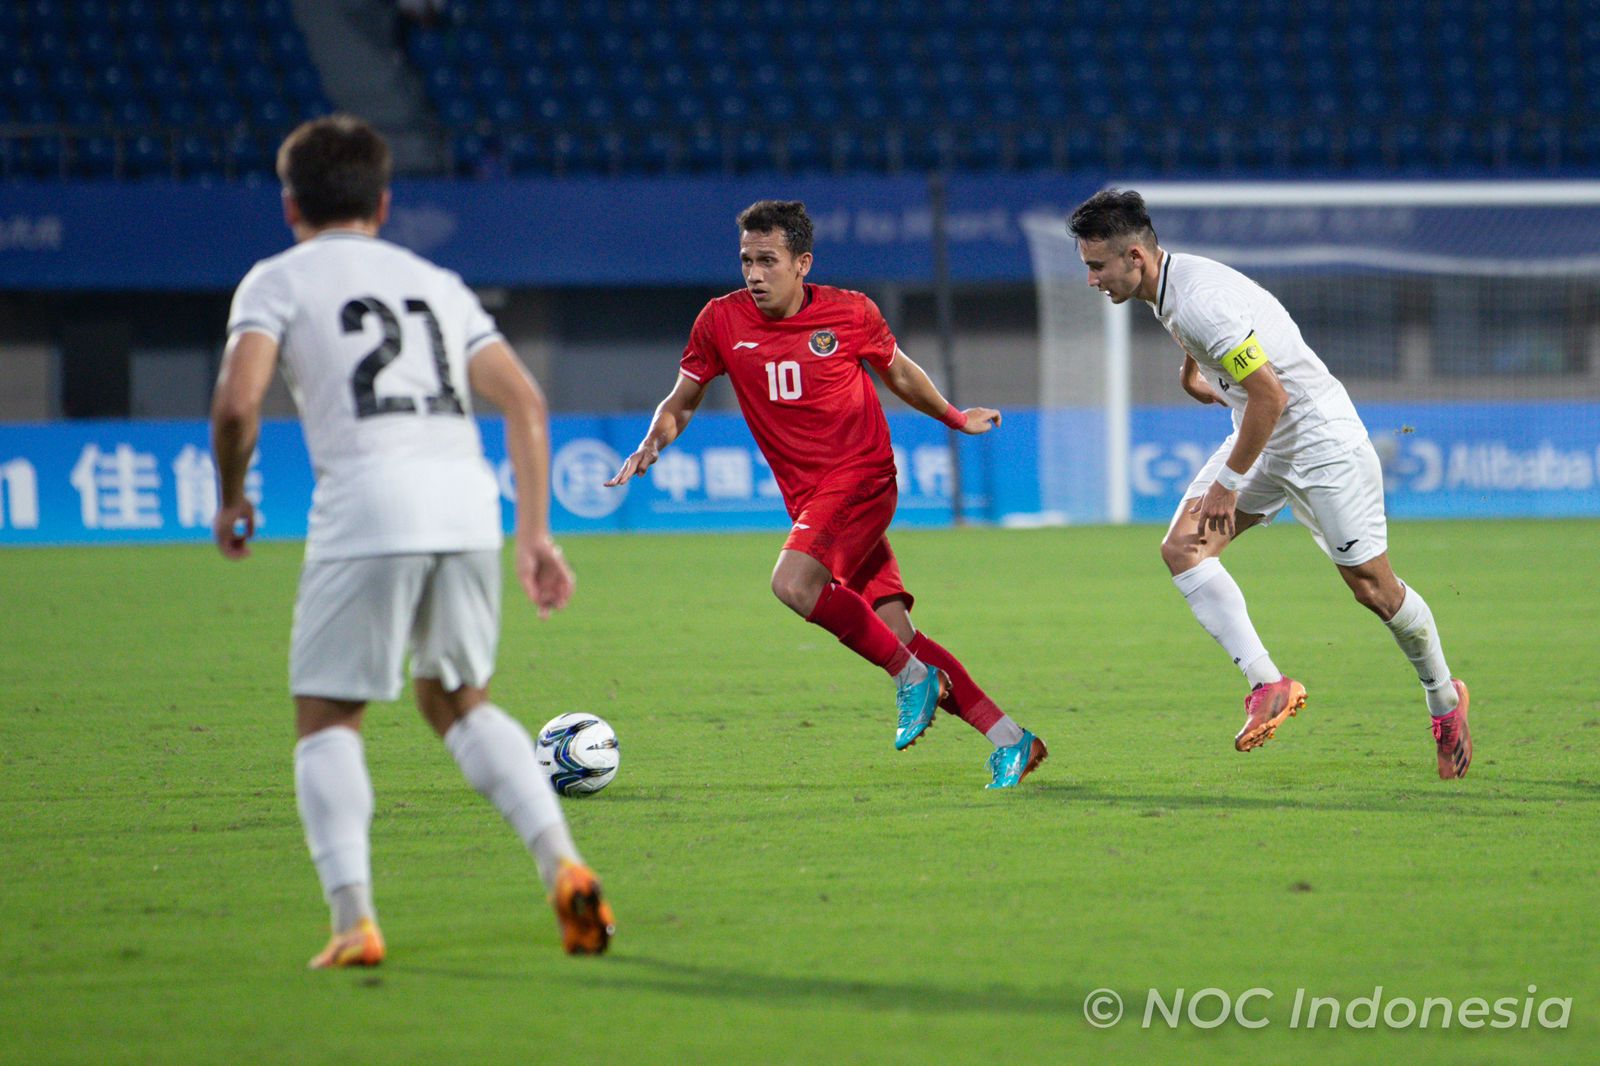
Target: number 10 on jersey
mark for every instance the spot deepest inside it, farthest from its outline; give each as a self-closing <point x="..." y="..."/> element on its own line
<point x="783" y="380"/>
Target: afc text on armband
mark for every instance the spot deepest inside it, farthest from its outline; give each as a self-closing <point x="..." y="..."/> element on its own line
<point x="1245" y="359"/>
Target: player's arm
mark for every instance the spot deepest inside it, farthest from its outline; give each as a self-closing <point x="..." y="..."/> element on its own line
<point x="498" y="375"/>
<point x="1265" y="401"/>
<point x="911" y="383"/>
<point x="671" y="417"/>
<point x="247" y="365"/>
<point x="1195" y="383"/>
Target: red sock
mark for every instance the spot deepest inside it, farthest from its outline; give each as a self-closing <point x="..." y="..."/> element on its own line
<point x="850" y="618"/>
<point x="965" y="698"/>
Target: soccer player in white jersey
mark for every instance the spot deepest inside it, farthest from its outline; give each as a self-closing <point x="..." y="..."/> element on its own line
<point x="403" y="541"/>
<point x="1296" y="439"/>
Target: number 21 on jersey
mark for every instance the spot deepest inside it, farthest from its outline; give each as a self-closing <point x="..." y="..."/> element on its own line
<point x="783" y="380"/>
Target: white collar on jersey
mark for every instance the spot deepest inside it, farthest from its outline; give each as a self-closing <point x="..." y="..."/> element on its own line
<point x="1161" y="289"/>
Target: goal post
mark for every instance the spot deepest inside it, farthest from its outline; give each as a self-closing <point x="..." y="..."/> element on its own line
<point x="1419" y="292"/>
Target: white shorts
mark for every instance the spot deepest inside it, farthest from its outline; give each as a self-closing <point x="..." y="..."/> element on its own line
<point x="355" y="620"/>
<point x="1340" y="499"/>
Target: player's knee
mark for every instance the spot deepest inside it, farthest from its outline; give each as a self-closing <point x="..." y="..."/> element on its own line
<point x="795" y="592"/>
<point x="1370" y="593"/>
<point x="1180" y="553"/>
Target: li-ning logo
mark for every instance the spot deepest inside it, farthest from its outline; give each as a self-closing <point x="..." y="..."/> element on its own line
<point x="823" y="342"/>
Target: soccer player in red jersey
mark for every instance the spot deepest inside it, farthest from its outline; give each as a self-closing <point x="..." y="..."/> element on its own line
<point x="797" y="355"/>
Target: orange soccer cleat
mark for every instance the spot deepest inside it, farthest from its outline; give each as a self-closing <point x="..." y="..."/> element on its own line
<point x="586" y="921"/>
<point x="1266" y="708"/>
<point x="1452" y="738"/>
<point x="360" y="945"/>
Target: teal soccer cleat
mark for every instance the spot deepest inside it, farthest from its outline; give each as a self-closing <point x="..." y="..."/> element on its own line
<point x="917" y="705"/>
<point x="1012" y="763"/>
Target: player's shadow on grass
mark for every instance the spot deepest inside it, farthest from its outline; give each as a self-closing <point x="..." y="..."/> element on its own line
<point x="681" y="978"/>
<point x="1498" y="803"/>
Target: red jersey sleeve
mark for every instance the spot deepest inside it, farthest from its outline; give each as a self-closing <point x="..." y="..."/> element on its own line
<point x="702" y="357"/>
<point x="877" y="342"/>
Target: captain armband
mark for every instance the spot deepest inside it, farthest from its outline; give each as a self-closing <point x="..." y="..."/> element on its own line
<point x="1244" y="359"/>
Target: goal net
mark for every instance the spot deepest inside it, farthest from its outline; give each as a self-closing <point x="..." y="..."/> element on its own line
<point x="1460" y="301"/>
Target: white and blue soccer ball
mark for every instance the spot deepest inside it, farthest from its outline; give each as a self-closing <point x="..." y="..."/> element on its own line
<point x="579" y="752"/>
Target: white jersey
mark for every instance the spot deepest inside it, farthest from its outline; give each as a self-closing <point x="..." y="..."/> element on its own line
<point x="1229" y="325"/>
<point x="374" y="341"/>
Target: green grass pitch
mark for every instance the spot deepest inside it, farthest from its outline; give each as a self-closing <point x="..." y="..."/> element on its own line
<point x="788" y="888"/>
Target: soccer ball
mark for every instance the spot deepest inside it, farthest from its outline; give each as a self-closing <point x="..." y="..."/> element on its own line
<point x="579" y="752"/>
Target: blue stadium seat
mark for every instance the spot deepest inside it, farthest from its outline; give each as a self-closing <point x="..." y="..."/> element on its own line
<point x="131" y="112"/>
<point x="94" y="157"/>
<point x="753" y="153"/>
<point x="981" y="148"/>
<point x="256" y="84"/>
<point x="147" y="156"/>
<point x="177" y="112"/>
<point x="197" y="155"/>
<point x="703" y="152"/>
<point x="40" y="157"/>
<point x="40" y="113"/>
<point x="1362" y="149"/>
<point x="799" y="150"/>
<point x="579" y="154"/>
<point x="1035" y="149"/>
<point x="223" y="113"/>
<point x="24" y="85"/>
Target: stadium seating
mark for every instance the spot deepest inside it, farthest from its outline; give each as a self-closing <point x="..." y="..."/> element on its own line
<point x="1140" y="87"/>
<point x="135" y="89"/>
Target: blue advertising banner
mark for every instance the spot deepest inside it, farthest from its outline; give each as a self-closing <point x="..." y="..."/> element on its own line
<point x="111" y="482"/>
<point x="1440" y="460"/>
<point x="170" y="236"/>
<point x="680" y="231"/>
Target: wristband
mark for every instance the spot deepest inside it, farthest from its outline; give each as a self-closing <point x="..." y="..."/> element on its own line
<point x="953" y="417"/>
<point x="1229" y="478"/>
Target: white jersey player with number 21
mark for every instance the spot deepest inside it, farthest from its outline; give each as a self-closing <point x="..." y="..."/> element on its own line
<point x="383" y="350"/>
<point x="1296" y="439"/>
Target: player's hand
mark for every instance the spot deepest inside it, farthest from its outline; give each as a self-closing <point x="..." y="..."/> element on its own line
<point x="980" y="420"/>
<point x="233" y="527"/>
<point x="1216" y="509"/>
<point x="544" y="574"/>
<point x="637" y="463"/>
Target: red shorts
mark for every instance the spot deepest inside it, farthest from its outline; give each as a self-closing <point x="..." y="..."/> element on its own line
<point x="842" y="526"/>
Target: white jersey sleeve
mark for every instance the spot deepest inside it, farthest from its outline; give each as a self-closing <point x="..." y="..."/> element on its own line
<point x="1231" y="326"/>
<point x="374" y="341"/>
<point x="262" y="303"/>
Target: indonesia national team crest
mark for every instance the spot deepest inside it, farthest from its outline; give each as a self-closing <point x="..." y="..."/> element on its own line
<point x="823" y="342"/>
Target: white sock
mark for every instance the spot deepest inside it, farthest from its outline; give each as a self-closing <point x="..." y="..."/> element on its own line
<point x="1218" y="606"/>
<point x="496" y="755"/>
<point x="334" y="794"/>
<point x="350" y="904"/>
<point x="912" y="673"/>
<point x="1004" y="733"/>
<point x="1413" y="629"/>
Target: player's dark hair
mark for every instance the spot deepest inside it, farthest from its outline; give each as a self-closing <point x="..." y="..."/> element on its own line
<point x="790" y="216"/>
<point x="1111" y="215"/>
<point x="336" y="168"/>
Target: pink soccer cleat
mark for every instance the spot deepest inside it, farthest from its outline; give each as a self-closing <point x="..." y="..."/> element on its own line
<point x="1453" y="739"/>
<point x="1266" y="708"/>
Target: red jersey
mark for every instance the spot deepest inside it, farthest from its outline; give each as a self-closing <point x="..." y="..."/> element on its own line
<point x="810" y="404"/>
